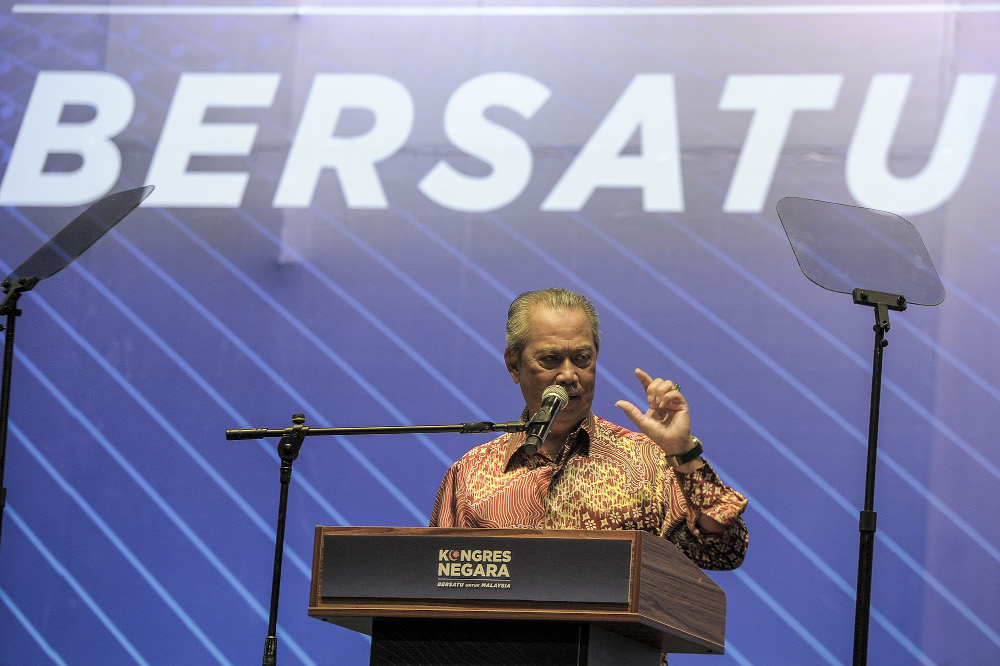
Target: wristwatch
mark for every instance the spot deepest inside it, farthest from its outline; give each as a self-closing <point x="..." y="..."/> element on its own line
<point x="687" y="456"/>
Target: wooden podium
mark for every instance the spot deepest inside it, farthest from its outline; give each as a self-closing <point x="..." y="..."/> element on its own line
<point x="458" y="596"/>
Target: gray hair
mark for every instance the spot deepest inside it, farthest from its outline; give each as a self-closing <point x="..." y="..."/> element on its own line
<point x="553" y="299"/>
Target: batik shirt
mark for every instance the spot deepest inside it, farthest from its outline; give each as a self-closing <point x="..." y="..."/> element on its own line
<point x="605" y="478"/>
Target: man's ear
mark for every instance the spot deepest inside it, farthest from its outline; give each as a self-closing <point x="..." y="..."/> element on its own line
<point x="510" y="359"/>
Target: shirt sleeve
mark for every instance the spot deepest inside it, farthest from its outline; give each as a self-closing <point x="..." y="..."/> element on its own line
<point x="703" y="492"/>
<point x="445" y="512"/>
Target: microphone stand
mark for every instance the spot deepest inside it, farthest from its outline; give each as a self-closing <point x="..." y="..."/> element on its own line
<point x="882" y="302"/>
<point x="288" y="450"/>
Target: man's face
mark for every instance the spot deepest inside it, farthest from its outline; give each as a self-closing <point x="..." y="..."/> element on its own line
<point x="560" y="350"/>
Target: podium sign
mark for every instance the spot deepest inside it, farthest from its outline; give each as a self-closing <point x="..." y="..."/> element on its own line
<point x="482" y="566"/>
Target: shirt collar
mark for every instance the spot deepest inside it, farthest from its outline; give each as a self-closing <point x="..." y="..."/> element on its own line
<point x="516" y="440"/>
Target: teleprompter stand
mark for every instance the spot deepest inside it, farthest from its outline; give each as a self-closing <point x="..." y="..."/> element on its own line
<point x="288" y="450"/>
<point x="72" y="241"/>
<point x="840" y="247"/>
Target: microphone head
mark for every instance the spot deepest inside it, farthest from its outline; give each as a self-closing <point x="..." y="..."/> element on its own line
<point x="557" y="392"/>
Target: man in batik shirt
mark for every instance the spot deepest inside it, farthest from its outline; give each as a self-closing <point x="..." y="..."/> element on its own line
<point x="590" y="473"/>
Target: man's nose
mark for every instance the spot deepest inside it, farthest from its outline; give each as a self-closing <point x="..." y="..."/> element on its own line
<point x="567" y="373"/>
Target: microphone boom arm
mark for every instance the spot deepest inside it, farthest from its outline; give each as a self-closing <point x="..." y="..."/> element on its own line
<point x="464" y="428"/>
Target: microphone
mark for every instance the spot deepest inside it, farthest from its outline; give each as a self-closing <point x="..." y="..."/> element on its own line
<point x="554" y="398"/>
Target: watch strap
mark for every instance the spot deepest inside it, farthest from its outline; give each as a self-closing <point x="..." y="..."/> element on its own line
<point x="687" y="456"/>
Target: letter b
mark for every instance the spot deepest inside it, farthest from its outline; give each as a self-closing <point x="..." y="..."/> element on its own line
<point x="26" y="183"/>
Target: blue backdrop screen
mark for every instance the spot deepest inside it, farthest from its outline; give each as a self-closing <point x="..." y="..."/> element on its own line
<point x="348" y="197"/>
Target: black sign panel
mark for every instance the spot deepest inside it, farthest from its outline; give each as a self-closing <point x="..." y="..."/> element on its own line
<point x="502" y="568"/>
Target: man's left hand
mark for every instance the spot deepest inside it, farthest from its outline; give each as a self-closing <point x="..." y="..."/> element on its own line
<point x="667" y="421"/>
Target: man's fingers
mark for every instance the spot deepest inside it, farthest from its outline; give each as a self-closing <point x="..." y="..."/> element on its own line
<point x="631" y="411"/>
